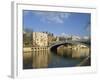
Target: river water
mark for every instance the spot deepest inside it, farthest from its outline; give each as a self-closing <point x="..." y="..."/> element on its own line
<point x="63" y="57"/>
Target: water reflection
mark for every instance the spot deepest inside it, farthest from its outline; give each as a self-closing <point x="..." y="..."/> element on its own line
<point x="79" y="53"/>
<point x="40" y="59"/>
<point x="64" y="57"/>
<point x="75" y="52"/>
<point x="27" y="60"/>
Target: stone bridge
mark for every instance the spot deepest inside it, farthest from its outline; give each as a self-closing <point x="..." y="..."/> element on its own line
<point x="54" y="46"/>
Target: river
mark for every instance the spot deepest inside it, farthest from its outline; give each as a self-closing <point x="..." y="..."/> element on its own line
<point x="63" y="57"/>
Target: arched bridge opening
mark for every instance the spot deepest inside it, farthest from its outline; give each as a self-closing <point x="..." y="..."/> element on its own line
<point x="71" y="43"/>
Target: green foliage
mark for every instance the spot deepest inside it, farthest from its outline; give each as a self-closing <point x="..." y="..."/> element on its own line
<point x="27" y="39"/>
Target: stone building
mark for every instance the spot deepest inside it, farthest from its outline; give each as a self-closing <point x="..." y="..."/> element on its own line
<point x="40" y="39"/>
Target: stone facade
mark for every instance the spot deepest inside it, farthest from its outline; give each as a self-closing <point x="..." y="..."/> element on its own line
<point x="40" y="39"/>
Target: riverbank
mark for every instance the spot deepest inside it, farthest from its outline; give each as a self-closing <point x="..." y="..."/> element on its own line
<point x="29" y="49"/>
<point x="85" y="62"/>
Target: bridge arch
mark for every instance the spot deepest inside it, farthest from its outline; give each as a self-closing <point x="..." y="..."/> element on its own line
<point x="56" y="45"/>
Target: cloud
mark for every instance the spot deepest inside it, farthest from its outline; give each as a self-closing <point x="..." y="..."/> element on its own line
<point x="52" y="17"/>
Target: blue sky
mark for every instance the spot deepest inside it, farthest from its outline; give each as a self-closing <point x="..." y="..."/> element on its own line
<point x="57" y="22"/>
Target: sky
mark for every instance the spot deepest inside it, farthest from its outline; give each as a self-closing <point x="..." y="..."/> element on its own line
<point x="58" y="23"/>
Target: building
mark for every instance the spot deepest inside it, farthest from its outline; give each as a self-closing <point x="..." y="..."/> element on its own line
<point x="75" y="38"/>
<point x="86" y="38"/>
<point x="40" y="39"/>
<point x="51" y="38"/>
